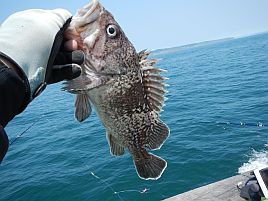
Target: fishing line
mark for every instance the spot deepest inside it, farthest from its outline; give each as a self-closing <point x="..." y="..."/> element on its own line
<point x="145" y="190"/>
<point x="242" y="124"/>
<point x="104" y="182"/>
<point x="25" y="131"/>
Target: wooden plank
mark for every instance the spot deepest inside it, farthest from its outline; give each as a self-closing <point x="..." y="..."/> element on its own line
<point x="224" y="190"/>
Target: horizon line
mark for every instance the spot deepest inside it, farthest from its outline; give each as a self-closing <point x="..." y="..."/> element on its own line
<point x="205" y="41"/>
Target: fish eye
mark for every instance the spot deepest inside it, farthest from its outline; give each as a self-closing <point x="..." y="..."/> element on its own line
<point x="111" y="31"/>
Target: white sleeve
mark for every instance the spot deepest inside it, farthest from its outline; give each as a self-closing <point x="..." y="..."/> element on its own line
<point x="28" y="36"/>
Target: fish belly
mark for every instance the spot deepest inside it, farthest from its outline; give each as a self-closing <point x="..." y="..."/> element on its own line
<point x="120" y="109"/>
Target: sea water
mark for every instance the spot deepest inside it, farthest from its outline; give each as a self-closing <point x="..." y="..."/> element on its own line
<point x="217" y="111"/>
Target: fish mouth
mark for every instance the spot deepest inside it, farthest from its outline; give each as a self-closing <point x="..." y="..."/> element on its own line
<point x="86" y="16"/>
<point x="85" y="24"/>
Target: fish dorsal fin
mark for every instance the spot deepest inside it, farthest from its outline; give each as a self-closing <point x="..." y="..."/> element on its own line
<point x="153" y="82"/>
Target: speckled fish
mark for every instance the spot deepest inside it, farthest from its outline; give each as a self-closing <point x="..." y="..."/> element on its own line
<point x="124" y="87"/>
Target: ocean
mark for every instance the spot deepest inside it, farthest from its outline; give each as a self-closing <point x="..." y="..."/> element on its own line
<point x="217" y="112"/>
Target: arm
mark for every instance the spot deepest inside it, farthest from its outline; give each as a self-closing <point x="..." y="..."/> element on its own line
<point x="3" y="143"/>
<point x="33" y="53"/>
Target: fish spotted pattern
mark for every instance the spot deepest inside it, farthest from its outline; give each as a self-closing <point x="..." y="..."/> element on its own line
<point x="124" y="87"/>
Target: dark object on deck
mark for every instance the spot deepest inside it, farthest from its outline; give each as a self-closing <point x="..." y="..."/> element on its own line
<point x="224" y="190"/>
<point x="251" y="190"/>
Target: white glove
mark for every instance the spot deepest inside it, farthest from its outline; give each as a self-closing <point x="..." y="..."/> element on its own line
<point x="32" y="39"/>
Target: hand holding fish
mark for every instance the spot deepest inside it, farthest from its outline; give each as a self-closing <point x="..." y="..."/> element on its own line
<point x="32" y="40"/>
<point x="124" y="86"/>
<point x="33" y="53"/>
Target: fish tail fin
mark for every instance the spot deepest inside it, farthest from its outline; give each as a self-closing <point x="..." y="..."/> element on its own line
<point x="149" y="166"/>
<point x="158" y="133"/>
<point x="82" y="107"/>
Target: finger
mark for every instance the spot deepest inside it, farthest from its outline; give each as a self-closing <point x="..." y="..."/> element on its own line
<point x="70" y="34"/>
<point x="64" y="72"/>
<point x="76" y="57"/>
<point x="71" y="45"/>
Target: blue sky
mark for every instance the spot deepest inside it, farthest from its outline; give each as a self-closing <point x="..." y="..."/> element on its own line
<point x="156" y="24"/>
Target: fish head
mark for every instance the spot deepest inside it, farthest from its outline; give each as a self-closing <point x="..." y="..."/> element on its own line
<point x="108" y="51"/>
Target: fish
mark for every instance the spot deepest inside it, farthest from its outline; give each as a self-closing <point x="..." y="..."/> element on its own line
<point x="125" y="88"/>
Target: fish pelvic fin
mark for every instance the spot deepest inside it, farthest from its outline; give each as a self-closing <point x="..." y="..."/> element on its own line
<point x="157" y="134"/>
<point x="82" y="107"/>
<point x="115" y="148"/>
<point x="149" y="166"/>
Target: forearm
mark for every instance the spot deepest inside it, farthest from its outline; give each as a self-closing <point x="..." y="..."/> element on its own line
<point x="4" y="143"/>
<point x="13" y="94"/>
<point x="13" y="97"/>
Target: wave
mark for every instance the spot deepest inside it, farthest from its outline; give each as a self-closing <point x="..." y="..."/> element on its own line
<point x="257" y="159"/>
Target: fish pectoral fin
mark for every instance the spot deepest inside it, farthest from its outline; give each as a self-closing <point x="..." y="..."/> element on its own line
<point x="82" y="107"/>
<point x="76" y="85"/>
<point x="148" y="166"/>
<point x="157" y="134"/>
<point x="115" y="148"/>
<point x="84" y="83"/>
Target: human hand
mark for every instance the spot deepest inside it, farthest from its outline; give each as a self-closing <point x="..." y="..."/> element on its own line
<point x="66" y="64"/>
